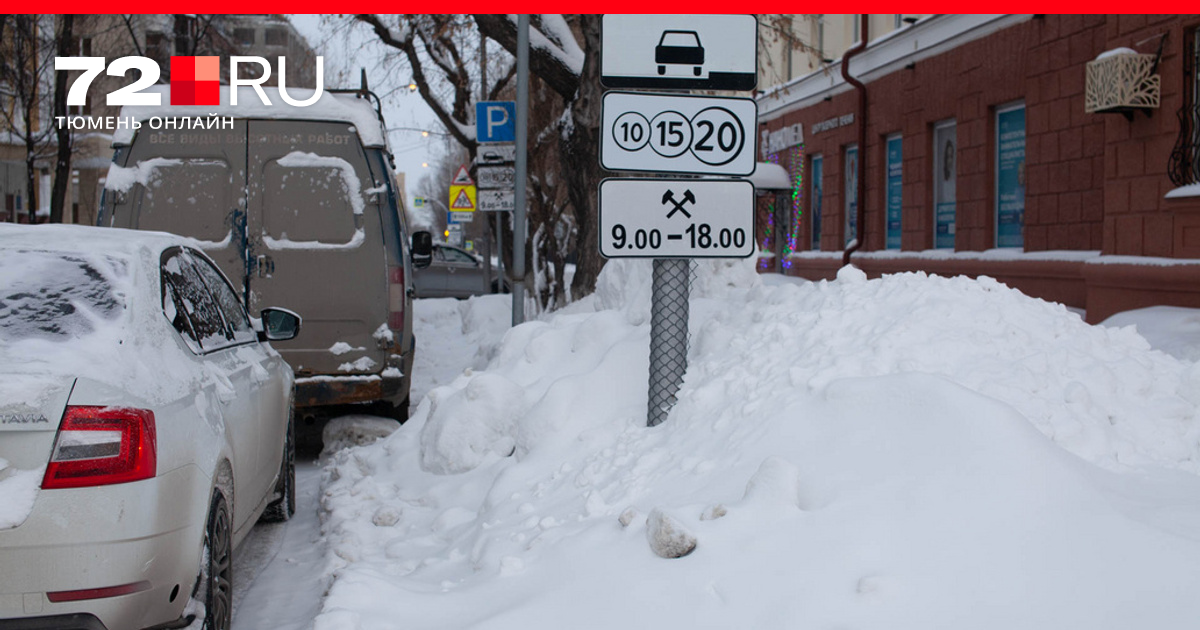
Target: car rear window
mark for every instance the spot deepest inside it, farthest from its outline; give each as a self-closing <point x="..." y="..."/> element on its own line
<point x="57" y="296"/>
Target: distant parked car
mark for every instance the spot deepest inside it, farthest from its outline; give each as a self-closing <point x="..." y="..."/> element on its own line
<point x="145" y="426"/>
<point x="454" y="272"/>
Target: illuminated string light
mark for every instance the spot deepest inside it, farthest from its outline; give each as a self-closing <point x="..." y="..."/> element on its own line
<point x="795" y="168"/>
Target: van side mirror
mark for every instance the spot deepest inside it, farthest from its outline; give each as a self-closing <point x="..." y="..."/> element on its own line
<point x="279" y="324"/>
<point x="422" y="249"/>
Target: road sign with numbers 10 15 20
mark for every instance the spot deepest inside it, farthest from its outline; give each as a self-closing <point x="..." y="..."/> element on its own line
<point x="670" y="133"/>
<point x="676" y="218"/>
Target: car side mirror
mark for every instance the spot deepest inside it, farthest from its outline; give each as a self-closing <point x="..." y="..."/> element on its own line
<point x="422" y="249"/>
<point x="279" y="324"/>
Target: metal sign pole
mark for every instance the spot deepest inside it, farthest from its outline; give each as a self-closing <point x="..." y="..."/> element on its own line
<point x="675" y="220"/>
<point x="518" y="313"/>
<point x="669" y="311"/>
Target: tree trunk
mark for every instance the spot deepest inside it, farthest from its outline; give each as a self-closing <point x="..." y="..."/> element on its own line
<point x="30" y="168"/>
<point x="62" y="165"/>
<point x="579" y="149"/>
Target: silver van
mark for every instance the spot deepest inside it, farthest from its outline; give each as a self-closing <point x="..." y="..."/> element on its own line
<point x="299" y="206"/>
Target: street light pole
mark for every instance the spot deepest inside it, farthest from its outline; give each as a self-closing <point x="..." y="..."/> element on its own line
<point x="518" y="294"/>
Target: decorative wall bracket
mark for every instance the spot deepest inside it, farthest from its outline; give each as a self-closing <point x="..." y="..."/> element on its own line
<point x="1122" y="83"/>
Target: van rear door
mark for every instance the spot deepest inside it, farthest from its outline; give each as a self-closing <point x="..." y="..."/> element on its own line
<point x="186" y="182"/>
<point x="315" y="243"/>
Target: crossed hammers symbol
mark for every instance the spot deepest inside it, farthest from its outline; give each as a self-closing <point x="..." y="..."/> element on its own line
<point x="669" y="197"/>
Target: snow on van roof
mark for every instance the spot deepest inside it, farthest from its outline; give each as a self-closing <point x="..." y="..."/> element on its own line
<point x="337" y="107"/>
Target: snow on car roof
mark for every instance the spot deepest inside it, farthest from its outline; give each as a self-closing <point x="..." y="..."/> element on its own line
<point x="85" y="238"/>
<point x="330" y="107"/>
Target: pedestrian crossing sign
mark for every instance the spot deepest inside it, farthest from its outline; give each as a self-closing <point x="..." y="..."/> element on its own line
<point x="462" y="198"/>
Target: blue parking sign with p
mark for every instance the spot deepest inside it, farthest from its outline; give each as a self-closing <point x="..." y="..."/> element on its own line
<point x="496" y="121"/>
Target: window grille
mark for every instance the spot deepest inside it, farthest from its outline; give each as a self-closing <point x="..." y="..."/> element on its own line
<point x="1184" y="166"/>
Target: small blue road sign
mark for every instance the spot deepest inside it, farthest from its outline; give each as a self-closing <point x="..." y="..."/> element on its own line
<point x="496" y="121"/>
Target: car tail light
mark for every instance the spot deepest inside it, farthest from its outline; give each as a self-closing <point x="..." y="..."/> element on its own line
<point x="396" y="298"/>
<point x="99" y="446"/>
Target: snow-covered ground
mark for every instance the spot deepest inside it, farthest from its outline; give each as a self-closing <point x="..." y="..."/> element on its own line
<point x="908" y="452"/>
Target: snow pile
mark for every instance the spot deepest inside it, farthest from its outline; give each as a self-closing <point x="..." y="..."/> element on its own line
<point x="860" y="453"/>
<point x="1172" y="329"/>
<point x="354" y="430"/>
<point x="481" y="321"/>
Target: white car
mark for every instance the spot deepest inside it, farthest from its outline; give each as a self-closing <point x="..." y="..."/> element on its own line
<point x="145" y="426"/>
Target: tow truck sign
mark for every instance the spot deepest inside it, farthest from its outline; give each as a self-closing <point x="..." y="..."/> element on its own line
<point x="676" y="218"/>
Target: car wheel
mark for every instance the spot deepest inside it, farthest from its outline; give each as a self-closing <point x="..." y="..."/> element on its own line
<point x="215" y="586"/>
<point x="284" y="506"/>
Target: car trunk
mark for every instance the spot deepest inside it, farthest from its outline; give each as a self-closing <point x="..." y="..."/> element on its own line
<point x="31" y="407"/>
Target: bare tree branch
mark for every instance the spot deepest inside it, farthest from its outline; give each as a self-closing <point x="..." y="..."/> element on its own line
<point x="548" y="67"/>
<point x="405" y="44"/>
<point x="133" y="35"/>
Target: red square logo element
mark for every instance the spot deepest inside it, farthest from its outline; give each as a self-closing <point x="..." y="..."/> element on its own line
<point x="196" y="80"/>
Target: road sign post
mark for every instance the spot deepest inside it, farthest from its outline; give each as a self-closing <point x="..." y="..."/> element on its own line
<point x="673" y="220"/>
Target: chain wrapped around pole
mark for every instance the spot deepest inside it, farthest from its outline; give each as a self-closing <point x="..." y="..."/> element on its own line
<point x="668" y="335"/>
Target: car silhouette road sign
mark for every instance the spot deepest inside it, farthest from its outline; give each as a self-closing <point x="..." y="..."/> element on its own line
<point x="680" y="48"/>
<point x="679" y="52"/>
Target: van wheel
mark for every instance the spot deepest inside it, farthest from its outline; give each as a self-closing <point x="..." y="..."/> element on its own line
<point x="282" y="508"/>
<point x="400" y="411"/>
<point x="214" y="587"/>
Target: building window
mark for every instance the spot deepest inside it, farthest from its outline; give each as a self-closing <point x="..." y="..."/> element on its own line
<point x="244" y="36"/>
<point x="899" y="21"/>
<point x="850" y="176"/>
<point x="857" y="27"/>
<point x="276" y="37"/>
<point x="821" y="37"/>
<point x="1184" y="167"/>
<point x="945" y="175"/>
<point x="817" y="172"/>
<point x="1010" y="176"/>
<point x="894" y="180"/>
<point x="184" y="27"/>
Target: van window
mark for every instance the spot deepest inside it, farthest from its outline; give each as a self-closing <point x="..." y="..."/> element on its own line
<point x="311" y="199"/>
<point x="188" y="196"/>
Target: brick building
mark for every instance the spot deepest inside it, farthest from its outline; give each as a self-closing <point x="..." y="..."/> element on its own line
<point x="980" y="156"/>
